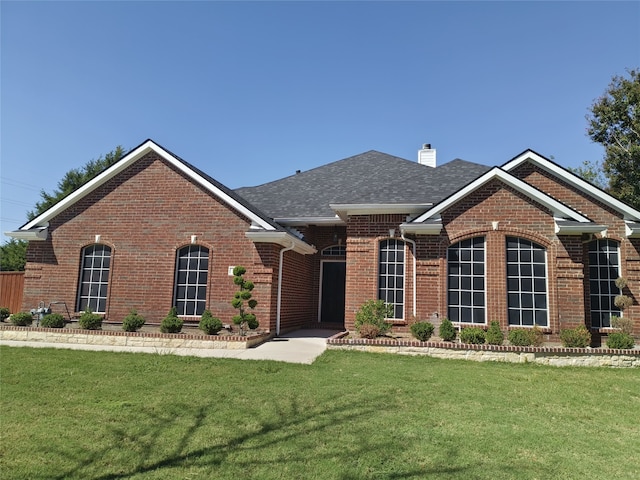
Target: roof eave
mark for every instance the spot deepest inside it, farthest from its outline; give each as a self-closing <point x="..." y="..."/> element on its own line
<point x="577" y="228"/>
<point x="632" y="229"/>
<point x="432" y="228"/>
<point x="343" y="210"/>
<point x="35" y="234"/>
<point x="281" y="238"/>
<point x="304" y="221"/>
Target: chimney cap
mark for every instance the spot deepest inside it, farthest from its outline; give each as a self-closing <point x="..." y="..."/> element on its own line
<point x="426" y="146"/>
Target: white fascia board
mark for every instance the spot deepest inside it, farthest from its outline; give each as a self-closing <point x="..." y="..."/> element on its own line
<point x="629" y="213"/>
<point x="281" y="238"/>
<point x="558" y="209"/>
<point x="36" y="234"/>
<point x="303" y="221"/>
<point x="431" y="228"/>
<point x="125" y="162"/>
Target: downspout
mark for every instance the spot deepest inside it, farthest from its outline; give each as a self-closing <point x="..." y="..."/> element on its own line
<point x="413" y="247"/>
<point x="279" y="302"/>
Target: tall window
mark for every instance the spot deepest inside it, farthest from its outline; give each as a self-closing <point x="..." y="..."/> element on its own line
<point x="391" y="275"/>
<point x="526" y="283"/>
<point x="94" y="279"/>
<point x="192" y="271"/>
<point x="604" y="269"/>
<point x="466" y="283"/>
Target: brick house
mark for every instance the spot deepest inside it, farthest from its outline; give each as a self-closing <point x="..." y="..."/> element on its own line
<point x="528" y="243"/>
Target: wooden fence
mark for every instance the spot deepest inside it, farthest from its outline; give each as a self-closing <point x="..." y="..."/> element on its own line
<point x="11" y="286"/>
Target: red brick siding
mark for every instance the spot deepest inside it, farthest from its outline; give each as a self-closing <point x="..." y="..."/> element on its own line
<point x="145" y="214"/>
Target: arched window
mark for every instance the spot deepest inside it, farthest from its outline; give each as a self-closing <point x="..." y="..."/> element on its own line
<point x="526" y="283"/>
<point x="391" y="275"/>
<point x="466" y="281"/>
<point x="94" y="278"/>
<point x="192" y="273"/>
<point x="604" y="269"/>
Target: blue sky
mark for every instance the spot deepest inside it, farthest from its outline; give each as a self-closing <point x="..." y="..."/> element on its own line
<point x="253" y="91"/>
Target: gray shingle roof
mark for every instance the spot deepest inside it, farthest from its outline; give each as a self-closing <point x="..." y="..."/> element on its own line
<point x="368" y="178"/>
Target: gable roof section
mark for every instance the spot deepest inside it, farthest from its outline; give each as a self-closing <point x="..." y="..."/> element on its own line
<point x="36" y="228"/>
<point x="629" y="213"/>
<point x="372" y="182"/>
<point x="568" y="221"/>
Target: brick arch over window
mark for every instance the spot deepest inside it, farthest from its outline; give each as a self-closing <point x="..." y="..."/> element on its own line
<point x="191" y="280"/>
<point x="93" y="282"/>
<point x="466" y="283"/>
<point x="604" y="269"/>
<point x="391" y="273"/>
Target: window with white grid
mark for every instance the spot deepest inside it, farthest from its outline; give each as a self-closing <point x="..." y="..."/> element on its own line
<point x="466" y="281"/>
<point x="391" y="275"/>
<point x="192" y="272"/>
<point x="335" y="251"/>
<point x="604" y="269"/>
<point x="94" y="279"/>
<point x="526" y="283"/>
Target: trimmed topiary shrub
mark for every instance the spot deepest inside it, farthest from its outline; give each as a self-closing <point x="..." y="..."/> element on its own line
<point x="171" y="323"/>
<point x="422" y="330"/>
<point x="209" y="324"/>
<point x="4" y="313"/>
<point x="53" y="320"/>
<point x="244" y="319"/>
<point x="21" y="319"/>
<point x="447" y="331"/>
<point x="579" y="337"/>
<point x="474" y="335"/>
<point x="374" y="312"/>
<point x="620" y="340"/>
<point x="494" y="335"/>
<point x="132" y="322"/>
<point x="520" y="337"/>
<point x="90" y="321"/>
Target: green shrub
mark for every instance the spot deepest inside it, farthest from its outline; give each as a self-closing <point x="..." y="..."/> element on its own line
<point x="209" y="324"/>
<point x="474" y="335"/>
<point x="244" y="319"/>
<point x="579" y="337"/>
<point x="171" y="323"/>
<point x="620" y="340"/>
<point x="369" y="330"/>
<point x="4" y="313"/>
<point x="53" y="320"/>
<point x="132" y="322"/>
<point x="624" y="324"/>
<point x="422" y="330"/>
<point x="520" y="337"/>
<point x="494" y="335"/>
<point x="90" y="321"/>
<point x="21" y="319"/>
<point x="374" y="312"/>
<point x="537" y="336"/>
<point x="447" y="331"/>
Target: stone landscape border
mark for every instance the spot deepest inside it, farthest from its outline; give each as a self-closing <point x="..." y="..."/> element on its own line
<point x="129" y="339"/>
<point x="555" y="356"/>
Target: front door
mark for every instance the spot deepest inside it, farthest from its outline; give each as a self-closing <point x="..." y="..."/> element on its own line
<point x="332" y="292"/>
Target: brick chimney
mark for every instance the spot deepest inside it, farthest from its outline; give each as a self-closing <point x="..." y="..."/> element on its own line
<point x="427" y="156"/>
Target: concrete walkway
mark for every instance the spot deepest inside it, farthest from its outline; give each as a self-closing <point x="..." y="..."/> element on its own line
<point x="301" y="346"/>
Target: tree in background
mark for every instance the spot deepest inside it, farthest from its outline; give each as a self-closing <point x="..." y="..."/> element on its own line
<point x="13" y="255"/>
<point x="74" y="179"/>
<point x="614" y="122"/>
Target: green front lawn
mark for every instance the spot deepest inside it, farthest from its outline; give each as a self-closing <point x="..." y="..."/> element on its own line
<point x="96" y="415"/>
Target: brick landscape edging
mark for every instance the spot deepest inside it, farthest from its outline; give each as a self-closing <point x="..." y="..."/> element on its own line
<point x="130" y="339"/>
<point x="556" y="356"/>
